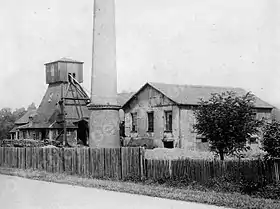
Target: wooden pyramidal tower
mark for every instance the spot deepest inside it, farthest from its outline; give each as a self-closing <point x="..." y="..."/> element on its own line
<point x="62" y="114"/>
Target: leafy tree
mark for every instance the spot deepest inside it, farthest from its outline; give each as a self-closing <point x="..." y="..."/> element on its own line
<point x="271" y="139"/>
<point x="7" y="120"/>
<point x="18" y="113"/>
<point x="227" y="121"/>
<point x="32" y="106"/>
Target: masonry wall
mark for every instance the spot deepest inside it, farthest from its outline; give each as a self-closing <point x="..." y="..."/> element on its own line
<point x="190" y="139"/>
<point x="183" y="119"/>
<point x="151" y="100"/>
<point x="187" y="134"/>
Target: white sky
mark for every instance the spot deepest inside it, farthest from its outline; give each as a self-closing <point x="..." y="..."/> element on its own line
<point x="219" y="42"/>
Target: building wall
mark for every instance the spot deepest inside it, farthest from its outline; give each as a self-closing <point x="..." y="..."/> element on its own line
<point x="183" y="119"/>
<point x="187" y="134"/>
<point x="58" y="71"/>
<point x="190" y="139"/>
<point x="151" y="100"/>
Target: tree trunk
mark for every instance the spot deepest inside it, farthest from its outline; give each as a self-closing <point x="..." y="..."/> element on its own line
<point x="221" y="153"/>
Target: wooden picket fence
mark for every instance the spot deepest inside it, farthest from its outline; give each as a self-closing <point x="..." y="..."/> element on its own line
<point x="126" y="163"/>
<point x="113" y="163"/>
<point x="199" y="170"/>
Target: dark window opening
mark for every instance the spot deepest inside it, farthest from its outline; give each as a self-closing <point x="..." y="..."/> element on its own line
<point x="168" y="145"/>
<point x="134" y="122"/>
<point x="201" y="139"/>
<point x="150" y="121"/>
<point x="168" y="121"/>
<point x="83" y="132"/>
<point x="204" y="140"/>
<point x="122" y="129"/>
<point x="44" y="134"/>
<point x="74" y="75"/>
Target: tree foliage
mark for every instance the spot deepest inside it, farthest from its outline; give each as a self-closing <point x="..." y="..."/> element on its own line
<point x="7" y="120"/>
<point x="227" y="121"/>
<point x="271" y="139"/>
<point x="32" y="106"/>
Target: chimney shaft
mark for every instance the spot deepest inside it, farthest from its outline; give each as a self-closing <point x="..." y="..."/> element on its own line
<point x="104" y="119"/>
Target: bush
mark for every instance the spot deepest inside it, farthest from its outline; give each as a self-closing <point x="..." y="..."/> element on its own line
<point x="223" y="184"/>
<point x="271" y="139"/>
<point x="23" y="143"/>
<point x="250" y="187"/>
<point x="139" y="142"/>
<point x="271" y="191"/>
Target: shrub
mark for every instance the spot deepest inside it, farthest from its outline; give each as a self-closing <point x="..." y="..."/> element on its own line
<point x="140" y="142"/>
<point x="271" y="139"/>
<point x="271" y="191"/>
<point x="23" y="143"/>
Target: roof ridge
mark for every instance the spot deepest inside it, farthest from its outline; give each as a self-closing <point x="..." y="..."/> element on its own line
<point x="195" y="86"/>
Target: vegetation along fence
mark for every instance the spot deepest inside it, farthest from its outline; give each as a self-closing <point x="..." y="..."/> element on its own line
<point x="255" y="171"/>
<point x="125" y="163"/>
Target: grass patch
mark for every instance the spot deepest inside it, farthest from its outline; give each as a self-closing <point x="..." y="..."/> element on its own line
<point x="232" y="200"/>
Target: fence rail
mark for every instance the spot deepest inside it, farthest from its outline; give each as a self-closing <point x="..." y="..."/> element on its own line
<point x="114" y="163"/>
<point x="199" y="170"/>
<point x="125" y="163"/>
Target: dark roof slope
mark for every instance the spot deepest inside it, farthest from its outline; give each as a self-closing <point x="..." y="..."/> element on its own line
<point x="191" y="94"/>
<point x="25" y="118"/>
<point x="49" y="110"/>
<point x="122" y="98"/>
<point x="49" y="107"/>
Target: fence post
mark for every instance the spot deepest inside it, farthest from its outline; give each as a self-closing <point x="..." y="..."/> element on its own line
<point x="142" y="158"/>
<point x="1" y="156"/>
<point x="276" y="170"/>
<point x="170" y="168"/>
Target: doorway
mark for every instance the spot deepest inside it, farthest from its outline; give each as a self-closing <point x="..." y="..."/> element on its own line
<point x="44" y="132"/>
<point x="83" y="132"/>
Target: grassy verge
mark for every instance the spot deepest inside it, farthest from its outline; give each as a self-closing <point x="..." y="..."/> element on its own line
<point x="231" y="200"/>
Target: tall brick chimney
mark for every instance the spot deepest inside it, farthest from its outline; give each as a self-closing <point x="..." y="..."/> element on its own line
<point x="104" y="119"/>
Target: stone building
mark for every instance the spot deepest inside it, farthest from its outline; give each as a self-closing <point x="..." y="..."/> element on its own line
<point x="161" y="115"/>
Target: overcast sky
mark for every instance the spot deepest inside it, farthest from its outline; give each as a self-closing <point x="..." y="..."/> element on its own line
<point x="206" y="42"/>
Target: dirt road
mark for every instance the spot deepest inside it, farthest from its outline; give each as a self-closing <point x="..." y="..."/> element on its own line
<point x="16" y="192"/>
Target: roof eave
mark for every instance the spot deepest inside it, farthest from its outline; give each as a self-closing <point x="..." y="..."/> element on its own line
<point x="65" y="61"/>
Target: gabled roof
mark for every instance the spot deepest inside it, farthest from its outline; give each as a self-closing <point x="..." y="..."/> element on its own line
<point x="64" y="59"/>
<point x="191" y="94"/>
<point x="25" y="118"/>
<point x="14" y="129"/>
<point x="122" y="98"/>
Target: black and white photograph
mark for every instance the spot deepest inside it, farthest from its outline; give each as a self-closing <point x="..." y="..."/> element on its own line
<point x="140" y="104"/>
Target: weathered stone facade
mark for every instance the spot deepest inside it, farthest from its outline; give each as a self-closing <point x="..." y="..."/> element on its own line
<point x="146" y="101"/>
<point x="182" y="135"/>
